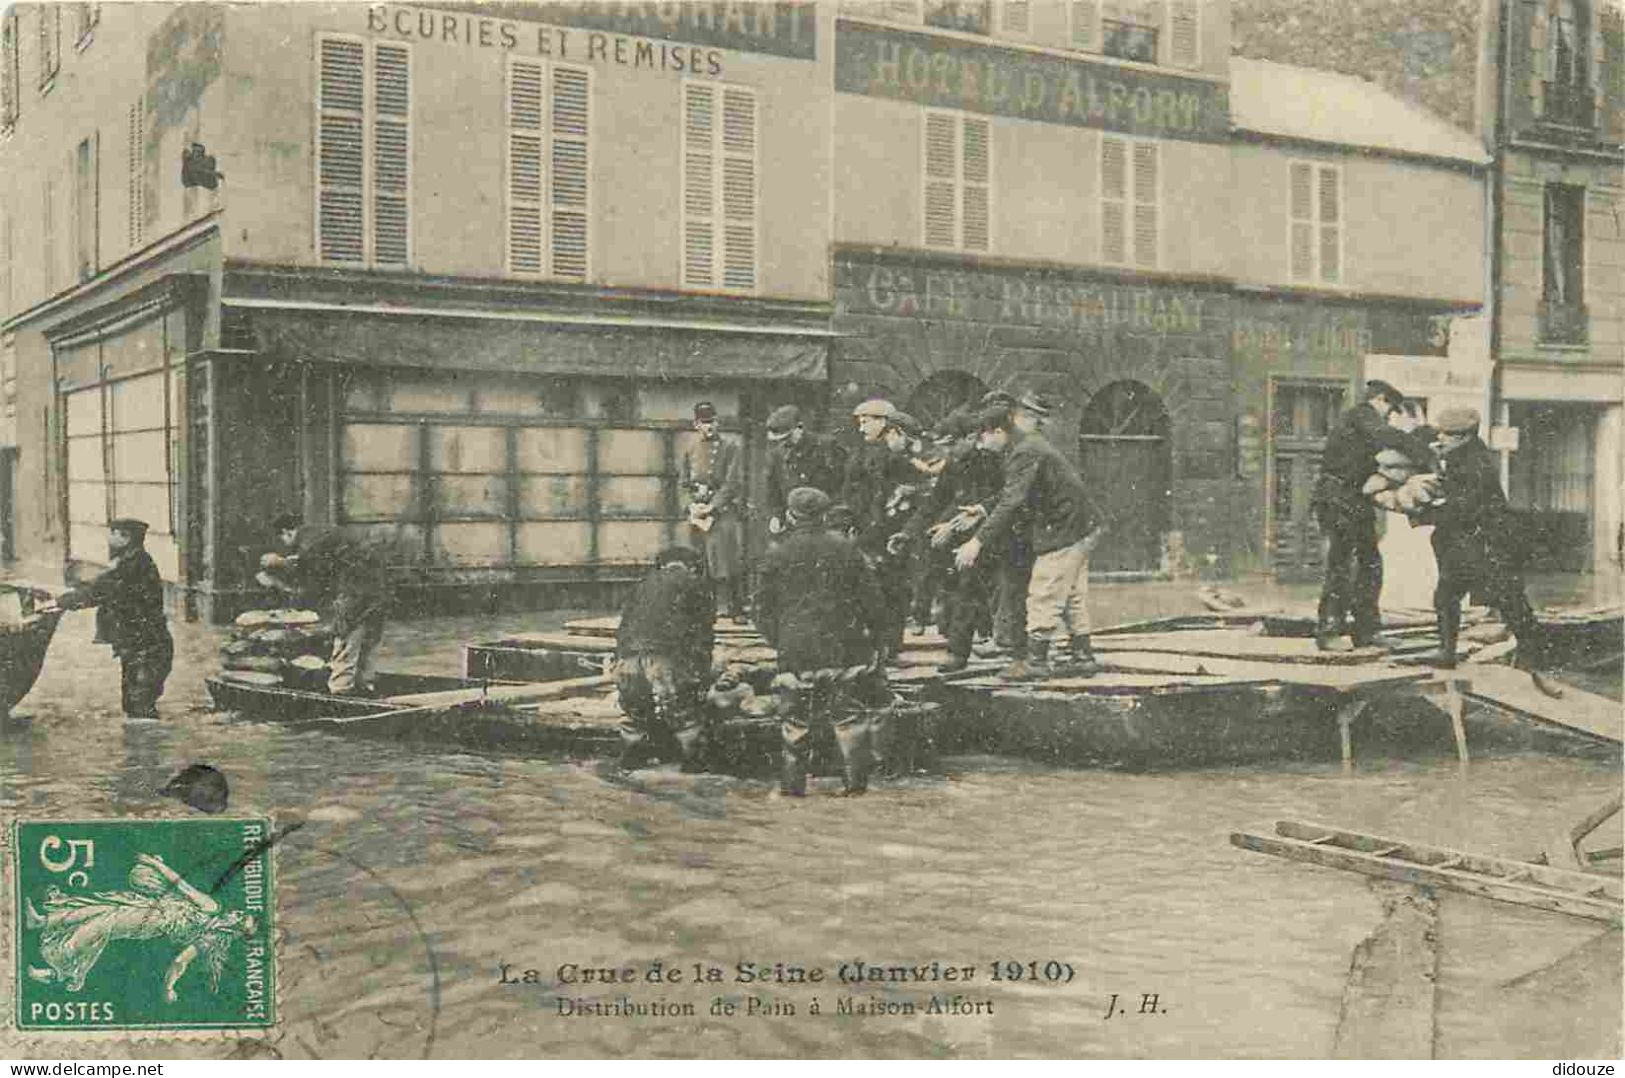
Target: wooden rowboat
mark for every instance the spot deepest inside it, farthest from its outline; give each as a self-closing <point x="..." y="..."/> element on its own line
<point x="23" y="642"/>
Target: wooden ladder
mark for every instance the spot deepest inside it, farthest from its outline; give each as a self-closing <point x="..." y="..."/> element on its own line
<point x="1577" y="894"/>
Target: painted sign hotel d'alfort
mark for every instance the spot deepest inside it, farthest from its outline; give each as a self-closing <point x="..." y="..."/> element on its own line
<point x="956" y="74"/>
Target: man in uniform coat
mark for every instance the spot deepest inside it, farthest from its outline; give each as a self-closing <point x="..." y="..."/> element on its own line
<point x="1041" y="482"/>
<point x="1475" y="542"/>
<point x="879" y="489"/>
<point x="1347" y="519"/>
<point x="350" y="578"/>
<point x="129" y="602"/>
<point x="713" y="478"/>
<point x="798" y="459"/>
<point x="663" y="661"/>
<point x="820" y="609"/>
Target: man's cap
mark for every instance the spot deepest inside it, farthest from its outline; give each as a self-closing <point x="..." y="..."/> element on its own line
<point x="284" y="522"/>
<point x="998" y="398"/>
<point x="905" y="423"/>
<point x="877" y="407"/>
<point x="956" y="424"/>
<point x="807" y="504"/>
<point x="993" y="419"/>
<point x="1378" y="388"/>
<point x="680" y="555"/>
<point x="135" y="529"/>
<point x="1036" y="404"/>
<point x="705" y="410"/>
<point x="784" y="419"/>
<point x="1457" y="421"/>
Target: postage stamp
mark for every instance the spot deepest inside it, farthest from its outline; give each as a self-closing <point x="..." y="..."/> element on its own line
<point x="162" y="924"/>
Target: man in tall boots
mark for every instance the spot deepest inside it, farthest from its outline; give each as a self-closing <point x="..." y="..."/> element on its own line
<point x="129" y="602"/>
<point x="662" y="662"/>
<point x="713" y="479"/>
<point x="820" y="609"/>
<point x="1347" y="519"/>
<point x="1476" y="543"/>
<point x="876" y="476"/>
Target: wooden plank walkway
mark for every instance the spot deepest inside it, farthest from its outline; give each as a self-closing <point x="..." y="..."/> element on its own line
<point x="1233" y="644"/>
<point x="1513" y="690"/>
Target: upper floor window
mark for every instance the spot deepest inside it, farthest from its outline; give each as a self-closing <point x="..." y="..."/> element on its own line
<point x="548" y="135"/>
<point x="1164" y="32"/>
<point x="86" y="18"/>
<point x="10" y="98"/>
<point x="50" y="42"/>
<point x="958" y="181"/>
<point x="1130" y="197"/>
<point x="1315" y="223"/>
<point x="1563" y="265"/>
<point x="363" y="152"/>
<point x="719" y="197"/>
<point x="1565" y="55"/>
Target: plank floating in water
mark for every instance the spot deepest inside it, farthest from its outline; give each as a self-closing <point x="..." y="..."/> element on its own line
<point x="1513" y="690"/>
<point x="508" y="694"/>
<point x="1233" y="644"/>
<point x="1577" y="894"/>
<point x="1363" y="676"/>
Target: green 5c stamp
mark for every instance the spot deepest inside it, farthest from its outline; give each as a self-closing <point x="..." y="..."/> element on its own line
<point x="144" y="924"/>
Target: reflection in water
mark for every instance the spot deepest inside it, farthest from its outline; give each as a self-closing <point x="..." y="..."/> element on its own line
<point x="418" y="874"/>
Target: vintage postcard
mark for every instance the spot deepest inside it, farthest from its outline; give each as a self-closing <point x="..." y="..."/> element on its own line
<point x="812" y="529"/>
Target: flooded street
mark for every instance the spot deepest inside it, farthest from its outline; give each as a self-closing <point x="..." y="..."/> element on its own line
<point x="417" y="875"/>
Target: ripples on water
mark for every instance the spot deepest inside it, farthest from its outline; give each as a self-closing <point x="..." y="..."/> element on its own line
<point x="418" y="864"/>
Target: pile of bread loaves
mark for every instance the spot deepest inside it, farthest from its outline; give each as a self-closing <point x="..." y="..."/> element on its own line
<point x="279" y="647"/>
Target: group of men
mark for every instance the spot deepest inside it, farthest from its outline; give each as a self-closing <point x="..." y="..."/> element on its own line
<point x="1475" y="539"/>
<point x="992" y="517"/>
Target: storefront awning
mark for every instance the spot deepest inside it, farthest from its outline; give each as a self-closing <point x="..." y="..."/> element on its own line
<point x="645" y="351"/>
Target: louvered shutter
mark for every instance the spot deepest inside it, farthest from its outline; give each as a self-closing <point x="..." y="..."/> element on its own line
<point x="1184" y="33"/>
<point x="571" y="127"/>
<point x="340" y="155"/>
<point x="941" y="179"/>
<point x="392" y="154"/>
<point x="1145" y="203"/>
<point x="1113" y="200"/>
<point x="136" y="188"/>
<point x="1538" y="43"/>
<point x="699" y="184"/>
<point x="1331" y="215"/>
<point x="1301" y="221"/>
<point x="1085" y="28"/>
<point x="738" y="188"/>
<point x="976" y="189"/>
<point x="525" y="99"/>
<point x="1015" y="17"/>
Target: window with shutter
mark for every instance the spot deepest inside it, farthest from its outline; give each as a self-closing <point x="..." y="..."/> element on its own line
<point x="340" y="153"/>
<point x="568" y="187"/>
<point x="10" y="98"/>
<point x="525" y="134"/>
<point x="134" y="179"/>
<point x="957" y="181"/>
<point x="1130" y="198"/>
<point x="719" y="186"/>
<point x="391" y="154"/>
<point x="909" y="11"/>
<point x="1315" y="222"/>
<point x="1184" y="33"/>
<point x="1083" y="24"/>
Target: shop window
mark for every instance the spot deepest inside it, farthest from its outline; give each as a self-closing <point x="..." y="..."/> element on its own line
<point x="50" y="44"/>
<point x="719" y="186"/>
<point x="957" y="181"/>
<point x="364" y="152"/>
<point x="10" y="98"/>
<point x="1315" y="223"/>
<point x="1301" y="416"/>
<point x="548" y="134"/>
<point x="1562" y="309"/>
<point x="1129" y="201"/>
<point x="1127" y="462"/>
<point x="135" y="173"/>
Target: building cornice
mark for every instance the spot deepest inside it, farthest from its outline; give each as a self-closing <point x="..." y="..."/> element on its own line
<point x="1269" y="138"/>
<point x="965" y="260"/>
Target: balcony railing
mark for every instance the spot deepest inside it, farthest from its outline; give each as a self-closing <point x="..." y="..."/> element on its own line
<point x="1564" y="324"/>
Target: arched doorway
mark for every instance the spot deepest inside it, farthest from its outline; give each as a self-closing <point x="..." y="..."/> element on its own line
<point x="1127" y="462"/>
<point x="942" y="393"/>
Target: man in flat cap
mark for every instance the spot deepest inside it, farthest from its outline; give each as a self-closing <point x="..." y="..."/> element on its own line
<point x="1353" y="581"/>
<point x="1476" y="544"/>
<point x="344" y="576"/>
<point x="662" y="662"/>
<point x="879" y="485"/>
<point x="129" y="602"/>
<point x="820" y="609"/>
<point x="713" y="479"/>
<point x="797" y="458"/>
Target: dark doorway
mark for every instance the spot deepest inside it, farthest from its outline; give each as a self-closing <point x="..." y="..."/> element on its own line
<point x="942" y="393"/>
<point x="1123" y="442"/>
<point x="1301" y="415"/>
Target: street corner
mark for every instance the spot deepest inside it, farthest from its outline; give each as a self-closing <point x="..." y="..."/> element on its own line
<point x="165" y="925"/>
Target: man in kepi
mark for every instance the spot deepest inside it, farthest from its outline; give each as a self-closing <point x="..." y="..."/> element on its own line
<point x="663" y="661"/>
<point x="129" y="602"/>
<point x="820" y="609"/>
<point x="1353" y="581"/>
<point x="1476" y="544"/>
<point x="713" y="480"/>
<point x="321" y="566"/>
<point x="797" y="459"/>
